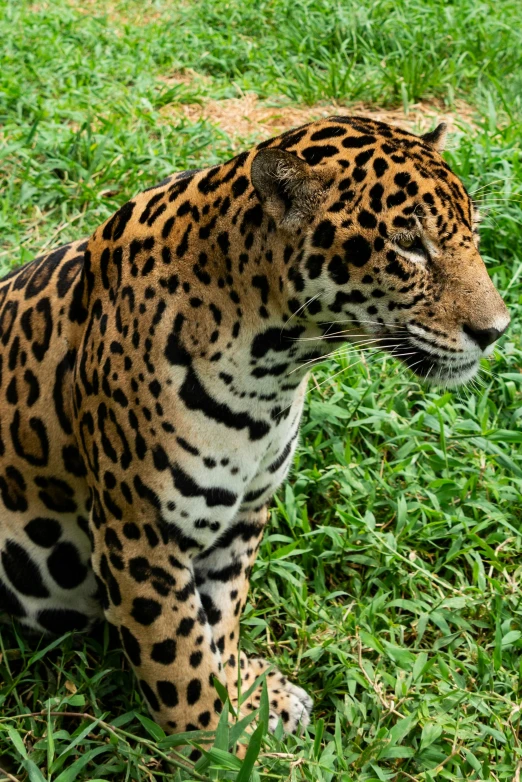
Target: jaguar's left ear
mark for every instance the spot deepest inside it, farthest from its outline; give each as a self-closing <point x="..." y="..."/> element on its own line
<point x="436" y="138"/>
<point x="288" y="187"/>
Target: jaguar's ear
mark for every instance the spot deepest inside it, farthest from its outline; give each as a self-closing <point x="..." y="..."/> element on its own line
<point x="289" y="189"/>
<point x="436" y="138"/>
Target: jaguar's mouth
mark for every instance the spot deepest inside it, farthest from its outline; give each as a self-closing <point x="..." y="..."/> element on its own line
<point x="432" y="368"/>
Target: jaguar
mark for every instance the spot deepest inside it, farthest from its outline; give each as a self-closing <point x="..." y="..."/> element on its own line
<point x="153" y="378"/>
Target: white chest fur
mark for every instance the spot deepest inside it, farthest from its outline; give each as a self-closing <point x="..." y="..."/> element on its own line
<point x="230" y="457"/>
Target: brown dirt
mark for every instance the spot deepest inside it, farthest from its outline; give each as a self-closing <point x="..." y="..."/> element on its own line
<point x="248" y="116"/>
<point x="117" y="11"/>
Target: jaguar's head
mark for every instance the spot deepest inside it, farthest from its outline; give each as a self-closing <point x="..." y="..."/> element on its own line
<point x="383" y="242"/>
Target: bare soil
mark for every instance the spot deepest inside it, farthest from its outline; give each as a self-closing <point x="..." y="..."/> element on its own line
<point x="249" y="116"/>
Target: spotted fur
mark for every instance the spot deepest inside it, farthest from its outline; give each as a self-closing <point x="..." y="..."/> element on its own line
<point x="153" y="376"/>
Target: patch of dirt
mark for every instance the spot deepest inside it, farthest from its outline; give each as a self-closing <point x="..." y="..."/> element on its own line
<point x="248" y="116"/>
<point x="119" y="12"/>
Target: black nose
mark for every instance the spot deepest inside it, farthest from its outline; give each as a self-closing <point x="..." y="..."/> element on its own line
<point x="483" y="337"/>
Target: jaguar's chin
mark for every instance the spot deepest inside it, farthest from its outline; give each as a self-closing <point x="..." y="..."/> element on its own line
<point x="434" y="369"/>
<point x="449" y="375"/>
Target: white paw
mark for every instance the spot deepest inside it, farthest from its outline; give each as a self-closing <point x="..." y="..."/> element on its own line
<point x="289" y="703"/>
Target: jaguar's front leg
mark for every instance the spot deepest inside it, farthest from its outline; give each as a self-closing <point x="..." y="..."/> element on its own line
<point x="148" y="591"/>
<point x="223" y="577"/>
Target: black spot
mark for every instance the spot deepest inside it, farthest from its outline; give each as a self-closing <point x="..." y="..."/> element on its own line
<point x="61" y="620"/>
<point x="216" y="313"/>
<point x="376" y="194"/>
<point x="115" y="227"/>
<point x="139" y="569"/>
<point x="188" y="590"/>
<point x="12" y="392"/>
<point x="296" y="278"/>
<point x="366" y="219"/>
<point x="193" y="691"/>
<point x="185" y="626"/>
<point x="231" y="571"/>
<point x="131" y="531"/>
<point x="39" y="453"/>
<point x="260" y="281"/>
<point x="160" y="458"/>
<point x="354" y="297"/>
<point x="358" y="250"/>
<point x="44" y="532"/>
<point x="252" y="217"/>
<point x="65" y="566"/>
<point x="195" y="397"/>
<point x="164" y="652"/>
<point x="44" y="271"/>
<point x="213" y="613"/>
<point x="151" y="535"/>
<point x="315" y="154"/>
<point x="329" y="132"/>
<point x="182" y="247"/>
<point x="167" y="227"/>
<point x="13" y="354"/>
<point x="12" y="488"/>
<point x="324" y="235"/>
<point x="168" y="693"/>
<point x="23" y="573"/>
<point x="195" y="659"/>
<point x="60" y="389"/>
<point x="314" y="265"/>
<point x="395" y="268"/>
<point x="145" y="610"/>
<point x="402" y="178"/>
<point x="73" y="462"/>
<point x="396" y="199"/>
<point x="7" y="319"/>
<point x="110" y="581"/>
<point x="355" y="142"/>
<point x="380" y="166"/>
<point x="363" y="157"/>
<point x="131" y="646"/>
<point x="56" y="494"/>
<point x="9" y="602"/>
<point x="338" y="270"/>
<point x="239" y="186"/>
<point x="112" y="540"/>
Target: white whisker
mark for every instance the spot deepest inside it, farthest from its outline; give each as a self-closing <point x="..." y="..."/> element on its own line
<point x="302" y="307"/>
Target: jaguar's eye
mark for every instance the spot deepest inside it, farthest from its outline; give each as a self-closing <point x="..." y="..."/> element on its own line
<point x="406" y="243"/>
<point x="412" y="245"/>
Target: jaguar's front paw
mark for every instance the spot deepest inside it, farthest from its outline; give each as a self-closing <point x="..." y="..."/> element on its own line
<point x="288" y="702"/>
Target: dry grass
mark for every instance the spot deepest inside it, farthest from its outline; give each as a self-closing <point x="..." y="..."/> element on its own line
<point x="248" y="116"/>
<point x="117" y="12"/>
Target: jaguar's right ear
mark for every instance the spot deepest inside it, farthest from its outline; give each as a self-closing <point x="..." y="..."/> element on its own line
<point x="437" y="138"/>
<point x="289" y="189"/>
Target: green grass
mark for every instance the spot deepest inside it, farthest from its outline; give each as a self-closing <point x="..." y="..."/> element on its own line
<point x="388" y="584"/>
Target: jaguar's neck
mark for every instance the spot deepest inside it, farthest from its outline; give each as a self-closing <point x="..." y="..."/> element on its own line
<point x="220" y="284"/>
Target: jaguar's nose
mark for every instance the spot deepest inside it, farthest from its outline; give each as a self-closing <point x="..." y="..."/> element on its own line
<point x="483" y="337"/>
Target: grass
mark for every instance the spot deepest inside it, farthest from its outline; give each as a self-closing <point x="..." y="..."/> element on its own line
<point x="388" y="583"/>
